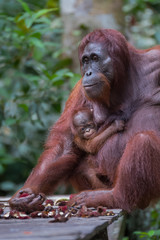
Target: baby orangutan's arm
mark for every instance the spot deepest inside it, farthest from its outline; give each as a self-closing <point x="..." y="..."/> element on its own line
<point x="93" y="145"/>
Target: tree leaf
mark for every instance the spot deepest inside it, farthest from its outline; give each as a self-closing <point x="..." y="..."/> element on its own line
<point x="10" y="121"/>
<point x="43" y="12"/>
<point x="36" y="42"/>
<point x="25" y="6"/>
<point x="11" y="109"/>
<point x="151" y="233"/>
<point x="24" y="106"/>
<point x="29" y="22"/>
<point x="157" y="232"/>
<point x="141" y="233"/>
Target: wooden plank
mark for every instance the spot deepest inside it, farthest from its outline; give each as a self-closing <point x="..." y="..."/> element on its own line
<point x="74" y="229"/>
<point x="116" y="229"/>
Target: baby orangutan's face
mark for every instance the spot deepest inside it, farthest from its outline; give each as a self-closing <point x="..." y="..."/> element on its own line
<point x="87" y="130"/>
<point x="84" y="125"/>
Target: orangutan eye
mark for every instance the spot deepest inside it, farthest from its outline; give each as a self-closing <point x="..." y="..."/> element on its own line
<point x="95" y="58"/>
<point x="85" y="60"/>
<point x="82" y="129"/>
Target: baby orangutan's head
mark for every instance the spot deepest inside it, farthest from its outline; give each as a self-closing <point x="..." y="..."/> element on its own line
<point x="83" y="124"/>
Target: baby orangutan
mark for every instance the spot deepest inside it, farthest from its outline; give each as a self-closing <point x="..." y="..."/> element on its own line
<point x="86" y="134"/>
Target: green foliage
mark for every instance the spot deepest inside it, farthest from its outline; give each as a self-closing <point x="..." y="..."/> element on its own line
<point x="152" y="234"/>
<point x="155" y="216"/>
<point x="144" y="224"/>
<point x="34" y="84"/>
<point x="142" y="18"/>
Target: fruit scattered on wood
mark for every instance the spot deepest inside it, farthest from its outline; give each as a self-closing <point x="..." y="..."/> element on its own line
<point x="58" y="210"/>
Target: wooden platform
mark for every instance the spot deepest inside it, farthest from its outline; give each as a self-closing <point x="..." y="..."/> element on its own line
<point x="74" y="229"/>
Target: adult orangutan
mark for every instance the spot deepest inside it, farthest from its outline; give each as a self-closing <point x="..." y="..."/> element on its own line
<point x="128" y="164"/>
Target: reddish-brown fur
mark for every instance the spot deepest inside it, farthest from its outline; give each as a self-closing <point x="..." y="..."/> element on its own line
<point x="129" y="160"/>
<point x="97" y="139"/>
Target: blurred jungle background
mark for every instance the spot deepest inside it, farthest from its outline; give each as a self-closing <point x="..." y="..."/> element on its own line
<point x="39" y="67"/>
